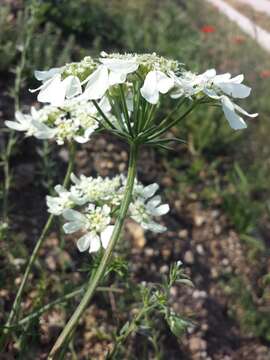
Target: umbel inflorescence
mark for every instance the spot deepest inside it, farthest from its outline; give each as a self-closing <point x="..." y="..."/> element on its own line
<point x="122" y="93"/>
<point x="92" y="204"/>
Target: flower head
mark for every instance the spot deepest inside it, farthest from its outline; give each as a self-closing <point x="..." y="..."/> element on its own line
<point x="91" y="204"/>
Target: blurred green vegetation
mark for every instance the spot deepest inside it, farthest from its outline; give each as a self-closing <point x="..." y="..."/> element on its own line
<point x="236" y="164"/>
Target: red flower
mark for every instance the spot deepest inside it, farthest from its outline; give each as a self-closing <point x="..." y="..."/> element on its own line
<point x="265" y="74"/>
<point x="208" y="29"/>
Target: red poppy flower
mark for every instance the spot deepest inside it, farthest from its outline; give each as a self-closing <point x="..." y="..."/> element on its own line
<point x="265" y="74"/>
<point x="208" y="29"/>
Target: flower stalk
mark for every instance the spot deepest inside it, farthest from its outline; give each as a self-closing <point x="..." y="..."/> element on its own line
<point x="64" y="337"/>
<point x="17" y="302"/>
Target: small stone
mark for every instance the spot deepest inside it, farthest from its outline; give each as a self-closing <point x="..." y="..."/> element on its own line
<point x="164" y="269"/>
<point x="137" y="234"/>
<point x="149" y="252"/>
<point x="200" y="249"/>
<point x="188" y="257"/>
<point x="199" y="220"/>
<point x="183" y="234"/>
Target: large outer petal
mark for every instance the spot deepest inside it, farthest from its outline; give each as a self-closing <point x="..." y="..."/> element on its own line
<point x="72" y="86"/>
<point x="121" y="66"/>
<point x="83" y="243"/>
<point x="53" y="91"/>
<point x="164" y="83"/>
<point x="106" y="235"/>
<point x="235" y="121"/>
<point x="149" y="90"/>
<point x="235" y="90"/>
<point x="97" y="85"/>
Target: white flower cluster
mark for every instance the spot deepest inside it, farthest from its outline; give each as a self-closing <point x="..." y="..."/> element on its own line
<point x="91" y="204"/>
<point x="74" y="120"/>
<point x="92" y="80"/>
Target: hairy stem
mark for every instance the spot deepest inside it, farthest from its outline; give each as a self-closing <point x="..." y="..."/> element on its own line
<point x="17" y="301"/>
<point x="70" y="327"/>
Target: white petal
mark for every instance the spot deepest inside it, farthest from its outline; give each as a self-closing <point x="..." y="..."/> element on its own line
<point x="16" y="125"/>
<point x="72" y="86"/>
<point x="211" y="93"/>
<point x="164" y="83"/>
<point x="105" y="105"/>
<point x="161" y="210"/>
<point x="73" y="215"/>
<point x="120" y="65"/>
<point x="94" y="243"/>
<point x="60" y="189"/>
<point x="84" y="138"/>
<point x="74" y="178"/>
<point x="244" y="112"/>
<point x="154" y="202"/>
<point x="43" y="131"/>
<point x="239" y="91"/>
<point x="116" y="78"/>
<point x="106" y="235"/>
<point x="47" y="74"/>
<point x="53" y="91"/>
<point x="149" y="89"/>
<point x="84" y="242"/>
<point x="152" y="226"/>
<point x="98" y="84"/>
<point x="72" y="227"/>
<point x="150" y="190"/>
<point x="235" y="121"/>
<point x="222" y="78"/>
<point x="209" y="74"/>
<point x="237" y="79"/>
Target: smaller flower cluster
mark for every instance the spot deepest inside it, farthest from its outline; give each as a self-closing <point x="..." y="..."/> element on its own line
<point x="72" y="121"/>
<point x="91" y="205"/>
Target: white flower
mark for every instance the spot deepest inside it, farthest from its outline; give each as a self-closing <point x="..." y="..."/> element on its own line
<point x="57" y="204"/>
<point x="54" y="90"/>
<point x="155" y="82"/>
<point x="95" y="222"/>
<point x="112" y="71"/>
<point x="31" y="126"/>
<point x="142" y="210"/>
<point x="22" y="123"/>
<point x="215" y="86"/>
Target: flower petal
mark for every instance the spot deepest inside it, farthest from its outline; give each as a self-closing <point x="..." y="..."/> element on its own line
<point x="71" y="227"/>
<point x="73" y="215"/>
<point x="238" y="91"/>
<point x="84" y="242"/>
<point x="164" y="83"/>
<point x="120" y="65"/>
<point x="98" y="84"/>
<point x="72" y="86"/>
<point x="106" y="235"/>
<point x="161" y="210"/>
<point x="150" y="190"/>
<point x="235" y="121"/>
<point x="149" y="89"/>
<point x="94" y="243"/>
<point x="47" y="74"/>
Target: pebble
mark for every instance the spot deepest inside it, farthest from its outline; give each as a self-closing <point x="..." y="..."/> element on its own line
<point x="189" y="257"/>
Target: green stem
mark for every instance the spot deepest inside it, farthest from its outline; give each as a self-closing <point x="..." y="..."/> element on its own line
<point x="70" y="327"/>
<point x="17" y="301"/>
